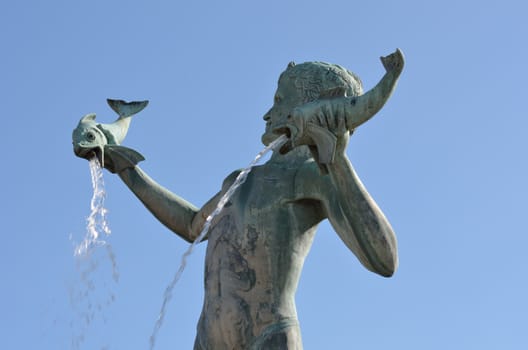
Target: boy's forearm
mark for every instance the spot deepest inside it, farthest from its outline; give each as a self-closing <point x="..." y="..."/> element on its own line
<point x="360" y="222"/>
<point x="171" y="210"/>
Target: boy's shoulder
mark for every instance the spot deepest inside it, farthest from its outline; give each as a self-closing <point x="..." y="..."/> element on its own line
<point x="309" y="182"/>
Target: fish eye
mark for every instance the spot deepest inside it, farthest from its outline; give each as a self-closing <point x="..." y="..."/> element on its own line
<point x="276" y="99"/>
<point x="90" y="136"/>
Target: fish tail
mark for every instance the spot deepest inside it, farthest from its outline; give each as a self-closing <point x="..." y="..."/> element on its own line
<point x="126" y="109"/>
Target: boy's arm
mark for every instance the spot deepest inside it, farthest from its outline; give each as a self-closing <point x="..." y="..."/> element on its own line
<point x="353" y="213"/>
<point x="180" y="216"/>
<point x="325" y="127"/>
<point x="358" y="220"/>
<point x="172" y="211"/>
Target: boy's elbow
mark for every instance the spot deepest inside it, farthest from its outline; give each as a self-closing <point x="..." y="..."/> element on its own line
<point x="388" y="266"/>
<point x="382" y="264"/>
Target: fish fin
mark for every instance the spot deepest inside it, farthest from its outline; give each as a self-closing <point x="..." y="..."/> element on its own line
<point x="119" y="158"/>
<point x="322" y="167"/>
<point x="87" y="118"/>
<point x="126" y="109"/>
<point x="325" y="142"/>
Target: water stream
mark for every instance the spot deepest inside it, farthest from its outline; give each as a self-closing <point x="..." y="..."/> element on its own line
<point x="96" y="222"/>
<point x="94" y="292"/>
<point x="241" y="178"/>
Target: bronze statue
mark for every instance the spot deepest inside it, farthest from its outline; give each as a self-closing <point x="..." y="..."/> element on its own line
<point x="257" y="244"/>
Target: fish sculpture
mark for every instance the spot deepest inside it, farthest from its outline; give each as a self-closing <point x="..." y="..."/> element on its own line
<point x="103" y="141"/>
<point x="316" y="123"/>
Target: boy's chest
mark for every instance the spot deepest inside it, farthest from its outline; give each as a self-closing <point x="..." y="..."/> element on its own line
<point x="266" y="193"/>
<point x="259" y="209"/>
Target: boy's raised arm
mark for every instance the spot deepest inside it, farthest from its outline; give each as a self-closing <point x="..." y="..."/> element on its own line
<point x="325" y="125"/>
<point x="358" y="220"/>
<point x="353" y="213"/>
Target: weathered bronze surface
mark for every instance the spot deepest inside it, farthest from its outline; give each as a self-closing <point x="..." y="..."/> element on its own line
<point x="257" y="244"/>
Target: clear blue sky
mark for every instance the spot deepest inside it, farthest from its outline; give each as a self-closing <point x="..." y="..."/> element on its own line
<point x="445" y="159"/>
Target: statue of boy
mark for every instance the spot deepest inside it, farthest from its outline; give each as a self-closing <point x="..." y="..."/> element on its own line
<point x="258" y="243"/>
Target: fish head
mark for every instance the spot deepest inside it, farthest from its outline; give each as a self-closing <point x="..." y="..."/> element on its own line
<point x="89" y="138"/>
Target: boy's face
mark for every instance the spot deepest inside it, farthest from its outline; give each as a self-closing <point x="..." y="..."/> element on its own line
<point x="286" y="98"/>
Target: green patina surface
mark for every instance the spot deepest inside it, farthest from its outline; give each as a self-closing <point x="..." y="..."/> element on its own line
<point x="257" y="245"/>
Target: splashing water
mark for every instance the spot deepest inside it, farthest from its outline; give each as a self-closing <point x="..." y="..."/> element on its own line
<point x="96" y="222"/>
<point x="93" y="293"/>
<point x="241" y="178"/>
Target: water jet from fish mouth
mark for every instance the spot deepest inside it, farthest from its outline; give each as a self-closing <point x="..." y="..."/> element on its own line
<point x="89" y="153"/>
<point x="93" y="291"/>
<point x="96" y="221"/>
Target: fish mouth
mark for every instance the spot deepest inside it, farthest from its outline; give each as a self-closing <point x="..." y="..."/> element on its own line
<point x="89" y="152"/>
<point x="284" y="130"/>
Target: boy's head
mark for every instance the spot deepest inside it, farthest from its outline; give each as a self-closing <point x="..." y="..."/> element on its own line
<point x="317" y="80"/>
<point x="306" y="82"/>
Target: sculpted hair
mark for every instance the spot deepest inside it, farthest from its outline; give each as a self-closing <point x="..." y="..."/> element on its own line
<point x="322" y="80"/>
